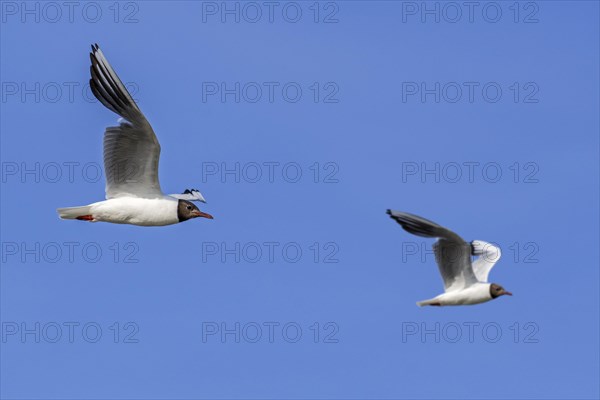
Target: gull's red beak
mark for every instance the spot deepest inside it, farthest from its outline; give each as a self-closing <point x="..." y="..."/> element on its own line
<point x="201" y="214"/>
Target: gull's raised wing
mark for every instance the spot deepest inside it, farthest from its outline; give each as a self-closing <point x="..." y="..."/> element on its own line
<point x="452" y="253"/>
<point x="131" y="150"/>
<point x="488" y="257"/>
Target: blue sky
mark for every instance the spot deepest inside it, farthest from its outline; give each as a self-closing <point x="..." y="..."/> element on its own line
<point x="300" y="135"/>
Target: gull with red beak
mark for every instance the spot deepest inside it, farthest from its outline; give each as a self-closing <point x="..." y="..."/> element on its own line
<point x="131" y="154"/>
<point x="465" y="282"/>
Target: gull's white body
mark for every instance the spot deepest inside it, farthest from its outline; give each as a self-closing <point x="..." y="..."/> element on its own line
<point x="460" y="294"/>
<point x="477" y="293"/>
<point x="136" y="211"/>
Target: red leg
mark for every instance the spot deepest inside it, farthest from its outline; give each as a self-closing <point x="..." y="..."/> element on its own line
<point x="85" y="218"/>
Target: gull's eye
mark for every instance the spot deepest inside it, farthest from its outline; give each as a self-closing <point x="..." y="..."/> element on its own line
<point x="189" y="207"/>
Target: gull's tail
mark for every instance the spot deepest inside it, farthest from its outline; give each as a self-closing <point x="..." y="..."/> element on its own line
<point x="430" y="302"/>
<point x="80" y="213"/>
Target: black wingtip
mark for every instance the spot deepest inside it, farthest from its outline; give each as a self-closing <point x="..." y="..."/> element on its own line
<point x="388" y="211"/>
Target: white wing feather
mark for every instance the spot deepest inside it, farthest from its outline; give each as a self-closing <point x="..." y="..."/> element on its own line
<point x="488" y="257"/>
<point x="190" y="195"/>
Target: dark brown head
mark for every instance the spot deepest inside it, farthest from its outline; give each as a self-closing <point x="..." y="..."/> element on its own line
<point x="497" y="290"/>
<point x="186" y="210"/>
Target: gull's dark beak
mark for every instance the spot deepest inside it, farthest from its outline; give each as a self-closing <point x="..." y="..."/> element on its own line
<point x="199" y="213"/>
<point x="505" y="292"/>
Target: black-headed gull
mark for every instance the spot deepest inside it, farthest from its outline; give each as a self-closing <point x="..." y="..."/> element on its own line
<point x="465" y="282"/>
<point x="131" y="154"/>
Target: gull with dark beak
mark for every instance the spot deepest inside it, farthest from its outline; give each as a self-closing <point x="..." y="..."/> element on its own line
<point x="131" y="154"/>
<point x="465" y="282"/>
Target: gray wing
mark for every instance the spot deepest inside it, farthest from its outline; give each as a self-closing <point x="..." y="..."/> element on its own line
<point x="131" y="150"/>
<point x="452" y="253"/>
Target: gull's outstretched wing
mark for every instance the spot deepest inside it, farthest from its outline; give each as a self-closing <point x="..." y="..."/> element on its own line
<point x="452" y="253"/>
<point x="131" y="150"/>
<point x="190" y="195"/>
<point x="488" y="257"/>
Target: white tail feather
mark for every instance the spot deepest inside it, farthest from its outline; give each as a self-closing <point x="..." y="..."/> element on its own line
<point x="427" y="302"/>
<point x="73" y="212"/>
